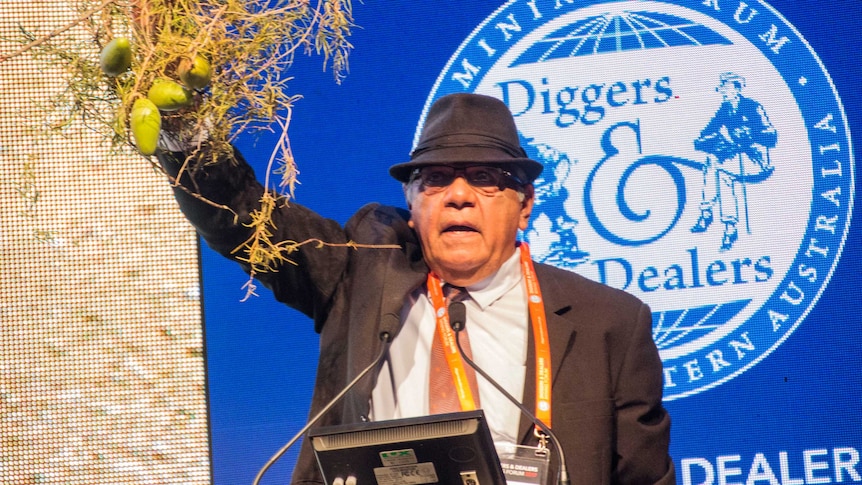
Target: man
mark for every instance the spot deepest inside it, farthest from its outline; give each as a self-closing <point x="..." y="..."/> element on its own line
<point x="738" y="136"/>
<point x="468" y="188"/>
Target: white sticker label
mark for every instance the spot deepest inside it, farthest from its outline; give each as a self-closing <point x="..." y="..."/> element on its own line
<point x="414" y="474"/>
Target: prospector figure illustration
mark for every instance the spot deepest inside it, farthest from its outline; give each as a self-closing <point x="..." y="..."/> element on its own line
<point x="737" y="140"/>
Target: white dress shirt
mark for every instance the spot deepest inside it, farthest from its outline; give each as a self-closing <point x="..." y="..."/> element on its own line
<point x="497" y="320"/>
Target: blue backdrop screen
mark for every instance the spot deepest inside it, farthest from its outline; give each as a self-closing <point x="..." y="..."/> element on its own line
<point x="628" y="105"/>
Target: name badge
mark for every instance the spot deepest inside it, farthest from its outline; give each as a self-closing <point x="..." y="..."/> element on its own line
<point x="524" y="465"/>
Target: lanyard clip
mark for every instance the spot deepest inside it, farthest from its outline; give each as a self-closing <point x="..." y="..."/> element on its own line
<point x="543" y="441"/>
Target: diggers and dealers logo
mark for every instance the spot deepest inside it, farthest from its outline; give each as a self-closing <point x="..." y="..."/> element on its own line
<point x="696" y="155"/>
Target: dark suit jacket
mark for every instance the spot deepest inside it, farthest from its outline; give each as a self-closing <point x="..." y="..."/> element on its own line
<point x="607" y="374"/>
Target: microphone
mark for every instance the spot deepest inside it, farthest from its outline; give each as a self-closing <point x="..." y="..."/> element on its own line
<point x="386" y="335"/>
<point x="458" y="320"/>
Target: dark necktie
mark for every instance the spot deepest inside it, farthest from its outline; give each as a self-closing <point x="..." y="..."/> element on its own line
<point x="442" y="395"/>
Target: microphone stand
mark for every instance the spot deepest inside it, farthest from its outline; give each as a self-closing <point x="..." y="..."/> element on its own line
<point x="458" y="322"/>
<point x="386" y="337"/>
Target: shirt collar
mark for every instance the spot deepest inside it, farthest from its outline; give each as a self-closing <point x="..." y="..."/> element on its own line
<point x="492" y="288"/>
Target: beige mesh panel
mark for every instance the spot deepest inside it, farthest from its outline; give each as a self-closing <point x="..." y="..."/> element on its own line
<point x="101" y="363"/>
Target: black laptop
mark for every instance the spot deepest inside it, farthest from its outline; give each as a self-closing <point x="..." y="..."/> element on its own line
<point x="445" y="449"/>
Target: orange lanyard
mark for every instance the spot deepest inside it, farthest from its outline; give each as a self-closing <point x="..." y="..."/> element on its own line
<point x="540" y="337"/>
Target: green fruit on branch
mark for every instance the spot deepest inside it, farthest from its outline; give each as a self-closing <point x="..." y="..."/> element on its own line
<point x="146" y="123"/>
<point x="168" y="95"/>
<point x="195" y="73"/>
<point x="116" y="57"/>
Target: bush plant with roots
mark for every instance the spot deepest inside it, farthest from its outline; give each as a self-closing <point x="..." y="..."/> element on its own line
<point x="179" y="68"/>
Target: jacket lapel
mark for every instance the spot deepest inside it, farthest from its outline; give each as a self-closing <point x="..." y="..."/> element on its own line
<point x="397" y="281"/>
<point x="561" y="333"/>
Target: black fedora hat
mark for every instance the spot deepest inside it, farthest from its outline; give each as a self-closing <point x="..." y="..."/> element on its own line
<point x="465" y="128"/>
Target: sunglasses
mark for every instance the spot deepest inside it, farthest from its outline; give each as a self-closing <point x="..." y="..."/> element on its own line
<point x="487" y="178"/>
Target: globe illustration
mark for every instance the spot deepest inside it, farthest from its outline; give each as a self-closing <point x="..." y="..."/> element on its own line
<point x="618" y="32"/>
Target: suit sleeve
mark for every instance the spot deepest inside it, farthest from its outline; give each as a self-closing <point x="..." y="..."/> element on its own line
<point x="306" y="280"/>
<point x="643" y="425"/>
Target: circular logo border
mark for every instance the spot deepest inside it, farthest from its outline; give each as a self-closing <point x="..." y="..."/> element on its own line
<point x="833" y="166"/>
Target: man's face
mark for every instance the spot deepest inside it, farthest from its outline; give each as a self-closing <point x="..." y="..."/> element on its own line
<point x="729" y="91"/>
<point x="466" y="232"/>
